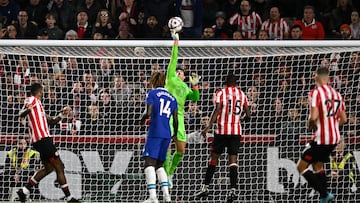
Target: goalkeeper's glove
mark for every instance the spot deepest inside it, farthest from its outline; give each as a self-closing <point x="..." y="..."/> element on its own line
<point x="174" y="34"/>
<point x="194" y="79"/>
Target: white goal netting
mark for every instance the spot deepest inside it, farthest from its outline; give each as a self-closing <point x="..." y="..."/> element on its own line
<point x="101" y="144"/>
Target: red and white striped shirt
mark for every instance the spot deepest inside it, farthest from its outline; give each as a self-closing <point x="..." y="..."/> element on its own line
<point x="276" y="30"/>
<point x="232" y="100"/>
<point x="248" y="25"/>
<point x="329" y="103"/>
<point x="37" y="122"/>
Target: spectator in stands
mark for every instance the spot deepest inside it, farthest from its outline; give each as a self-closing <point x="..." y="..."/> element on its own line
<point x="106" y="72"/>
<point x="8" y="112"/>
<point x="9" y="10"/>
<point x="128" y="13"/>
<point x="345" y="32"/>
<point x="150" y="29"/>
<point x="92" y="8"/>
<point x="37" y="10"/>
<point x="210" y="9"/>
<point x="124" y="32"/>
<point x="21" y="162"/>
<point x="192" y="14"/>
<point x="71" y="35"/>
<point x="98" y="36"/>
<point x="54" y="32"/>
<point x="104" y="24"/>
<point x="222" y="28"/>
<point x="246" y="21"/>
<point x="208" y="33"/>
<point x="108" y="113"/>
<point x="277" y="27"/>
<point x="83" y="28"/>
<point x="26" y="29"/>
<point x="164" y="9"/>
<point x="42" y="35"/>
<point x="293" y="126"/>
<point x="90" y="84"/>
<point x="73" y="70"/>
<point x="340" y="15"/>
<point x="52" y="103"/>
<point x="64" y="14"/>
<point x="230" y="7"/>
<point x="263" y="35"/>
<point x="237" y="35"/>
<point x="311" y="28"/>
<point x="120" y="90"/>
<point x="9" y="32"/>
<point x="23" y="72"/>
<point x="192" y="116"/>
<point x="296" y="32"/>
<point x="57" y="66"/>
<point x="92" y="123"/>
<point x="355" y="24"/>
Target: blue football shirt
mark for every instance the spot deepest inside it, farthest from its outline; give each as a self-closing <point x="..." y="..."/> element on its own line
<point x="163" y="105"/>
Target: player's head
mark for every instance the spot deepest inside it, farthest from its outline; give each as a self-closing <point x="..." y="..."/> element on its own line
<point x="180" y="73"/>
<point x="231" y="80"/>
<point x="322" y="75"/>
<point x="157" y="79"/>
<point x="36" y="90"/>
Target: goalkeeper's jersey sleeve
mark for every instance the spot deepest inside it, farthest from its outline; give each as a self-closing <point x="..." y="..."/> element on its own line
<point x="174" y="85"/>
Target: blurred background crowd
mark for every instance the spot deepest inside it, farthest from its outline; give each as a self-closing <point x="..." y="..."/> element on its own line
<point x="203" y="19"/>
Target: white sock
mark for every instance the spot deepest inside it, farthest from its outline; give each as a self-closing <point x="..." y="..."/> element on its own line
<point x="150" y="177"/>
<point x="163" y="180"/>
<point x="69" y="198"/>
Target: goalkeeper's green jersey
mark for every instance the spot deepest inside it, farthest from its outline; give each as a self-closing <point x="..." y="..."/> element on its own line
<point x="176" y="86"/>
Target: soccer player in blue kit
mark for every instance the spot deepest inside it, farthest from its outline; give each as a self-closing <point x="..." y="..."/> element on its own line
<point x="160" y="106"/>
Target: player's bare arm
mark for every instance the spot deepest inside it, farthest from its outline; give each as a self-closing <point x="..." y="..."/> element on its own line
<point x="213" y="118"/>
<point x="343" y="118"/>
<point x="25" y="110"/>
<point x="146" y="115"/>
<point x="175" y="122"/>
<point x="314" y="115"/>
<point x="247" y="113"/>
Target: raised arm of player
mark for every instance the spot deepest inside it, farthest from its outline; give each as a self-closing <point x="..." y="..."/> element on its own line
<point x="63" y="113"/>
<point x="171" y="70"/>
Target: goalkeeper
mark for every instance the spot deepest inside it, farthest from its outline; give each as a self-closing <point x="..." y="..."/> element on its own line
<point x="176" y="86"/>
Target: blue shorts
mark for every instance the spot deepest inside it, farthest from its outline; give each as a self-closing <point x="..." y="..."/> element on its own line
<point x="156" y="148"/>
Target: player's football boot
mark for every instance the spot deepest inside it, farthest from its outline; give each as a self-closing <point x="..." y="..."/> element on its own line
<point x="22" y="196"/>
<point x="73" y="200"/>
<point x="231" y="196"/>
<point x="204" y="192"/>
<point x="151" y="200"/>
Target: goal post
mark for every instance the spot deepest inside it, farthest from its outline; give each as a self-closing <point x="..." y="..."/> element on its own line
<point x="105" y="84"/>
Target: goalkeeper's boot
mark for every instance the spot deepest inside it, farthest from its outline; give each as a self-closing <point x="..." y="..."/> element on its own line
<point x="328" y="198"/>
<point x="170" y="182"/>
<point x="204" y="192"/>
<point x="22" y="196"/>
<point x="231" y="196"/>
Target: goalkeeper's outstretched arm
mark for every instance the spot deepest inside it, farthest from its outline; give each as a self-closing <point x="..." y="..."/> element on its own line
<point x="171" y="71"/>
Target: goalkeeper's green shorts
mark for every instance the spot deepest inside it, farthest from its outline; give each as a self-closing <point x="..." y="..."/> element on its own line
<point x="181" y="134"/>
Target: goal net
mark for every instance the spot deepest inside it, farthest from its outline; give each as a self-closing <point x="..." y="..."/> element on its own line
<point x="105" y="84"/>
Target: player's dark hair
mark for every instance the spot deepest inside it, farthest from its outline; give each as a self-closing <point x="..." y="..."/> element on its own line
<point x="322" y="71"/>
<point x="231" y="80"/>
<point x="179" y="68"/>
<point x="35" y="88"/>
<point x="157" y="79"/>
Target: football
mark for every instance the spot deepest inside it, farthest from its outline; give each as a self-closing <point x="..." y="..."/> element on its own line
<point x="175" y="23"/>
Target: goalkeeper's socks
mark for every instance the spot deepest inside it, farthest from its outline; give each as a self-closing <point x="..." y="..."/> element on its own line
<point x="167" y="162"/>
<point x="176" y="159"/>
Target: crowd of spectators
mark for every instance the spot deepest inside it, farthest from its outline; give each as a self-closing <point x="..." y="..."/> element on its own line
<point x="206" y="19"/>
<point x="107" y="96"/>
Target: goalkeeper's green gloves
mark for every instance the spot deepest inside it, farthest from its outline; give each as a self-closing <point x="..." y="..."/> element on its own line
<point x="174" y="34"/>
<point x="194" y="79"/>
